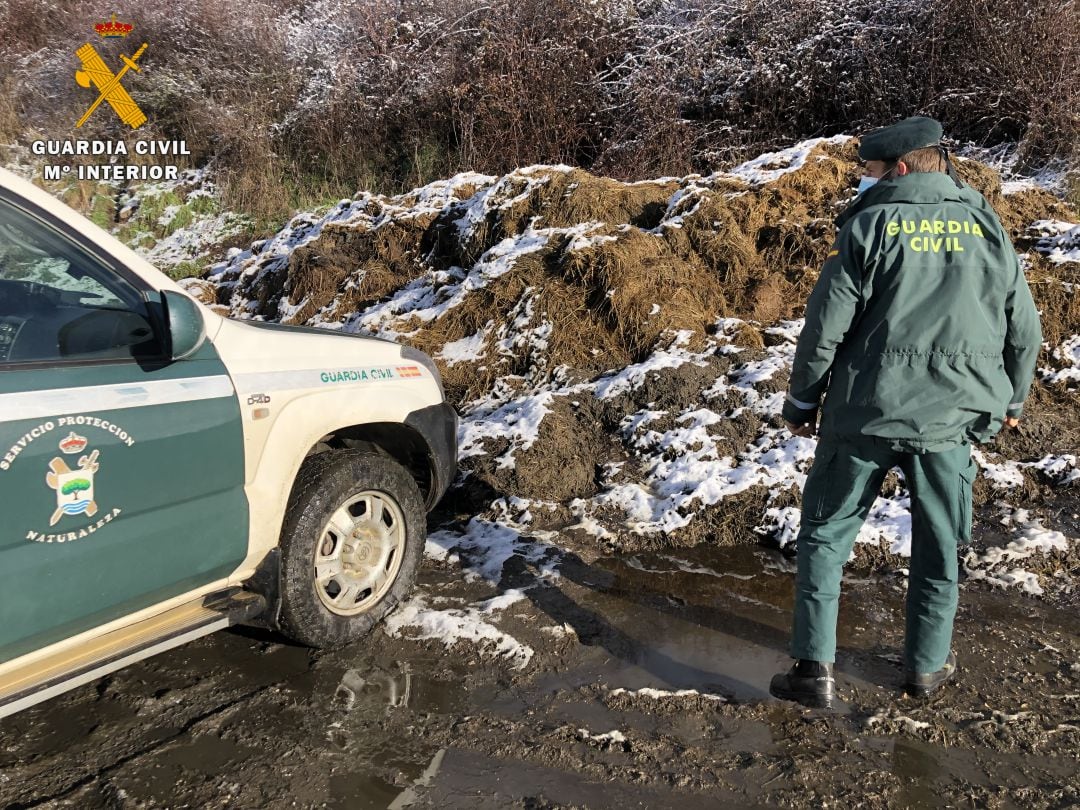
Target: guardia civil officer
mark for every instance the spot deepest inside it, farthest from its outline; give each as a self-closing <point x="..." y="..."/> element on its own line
<point x="921" y="335"/>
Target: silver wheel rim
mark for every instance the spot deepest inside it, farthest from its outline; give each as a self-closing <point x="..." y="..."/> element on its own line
<point x="358" y="553"/>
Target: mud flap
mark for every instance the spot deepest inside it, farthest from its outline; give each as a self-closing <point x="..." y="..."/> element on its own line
<point x="266" y="582"/>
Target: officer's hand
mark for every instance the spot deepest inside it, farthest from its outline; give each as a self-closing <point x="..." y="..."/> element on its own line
<point x="1012" y="421"/>
<point x="806" y="430"/>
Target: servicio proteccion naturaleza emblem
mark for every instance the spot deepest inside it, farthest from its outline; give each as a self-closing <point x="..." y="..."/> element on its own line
<point x="71" y="475"/>
<point x="74" y="488"/>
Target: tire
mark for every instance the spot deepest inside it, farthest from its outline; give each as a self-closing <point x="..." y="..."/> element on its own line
<point x="340" y="579"/>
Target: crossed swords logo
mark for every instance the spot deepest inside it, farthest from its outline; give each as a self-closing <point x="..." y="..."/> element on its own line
<point x="96" y="72"/>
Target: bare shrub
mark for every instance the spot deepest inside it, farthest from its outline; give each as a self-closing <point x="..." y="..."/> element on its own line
<point x="1013" y="74"/>
<point x="301" y="103"/>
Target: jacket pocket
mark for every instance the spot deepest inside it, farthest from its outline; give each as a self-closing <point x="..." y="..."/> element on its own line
<point x="963" y="506"/>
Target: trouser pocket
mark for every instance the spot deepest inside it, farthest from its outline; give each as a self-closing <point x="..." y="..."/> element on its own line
<point x="963" y="507"/>
<point x="820" y="492"/>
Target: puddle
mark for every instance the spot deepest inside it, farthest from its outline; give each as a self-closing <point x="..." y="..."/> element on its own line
<point x="467" y="779"/>
<point x="204" y="757"/>
<point x="715" y="620"/>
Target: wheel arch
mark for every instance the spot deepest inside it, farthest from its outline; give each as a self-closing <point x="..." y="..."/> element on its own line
<point x="421" y="438"/>
<point x="396" y="440"/>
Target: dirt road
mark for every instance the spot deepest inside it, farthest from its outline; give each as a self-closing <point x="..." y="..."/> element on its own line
<point x="645" y="687"/>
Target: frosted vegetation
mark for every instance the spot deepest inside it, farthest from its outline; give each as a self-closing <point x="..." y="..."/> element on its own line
<point x="301" y="103"/>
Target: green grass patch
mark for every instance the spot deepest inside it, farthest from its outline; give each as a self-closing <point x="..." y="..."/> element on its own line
<point x="152" y="207"/>
<point x="203" y="205"/>
<point x="186" y="269"/>
<point x="181" y="219"/>
<point x="102" y="211"/>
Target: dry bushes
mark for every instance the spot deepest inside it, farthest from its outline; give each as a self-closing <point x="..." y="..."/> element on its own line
<point x="296" y="104"/>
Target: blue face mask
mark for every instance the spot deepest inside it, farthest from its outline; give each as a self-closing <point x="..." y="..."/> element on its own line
<point x="866" y="182"/>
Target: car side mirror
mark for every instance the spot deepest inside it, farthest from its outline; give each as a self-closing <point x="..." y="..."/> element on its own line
<point x="187" y="329"/>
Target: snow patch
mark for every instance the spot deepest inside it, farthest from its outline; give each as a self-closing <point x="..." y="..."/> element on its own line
<point x="453" y="625"/>
<point x="995" y="566"/>
<point x="635" y="374"/>
<point x="658" y="694"/>
<point x="896" y="720"/>
<point x="1059" y="241"/>
<point x="1068" y="354"/>
<point x="467" y="349"/>
<point x="771" y="166"/>
<point x="605" y="740"/>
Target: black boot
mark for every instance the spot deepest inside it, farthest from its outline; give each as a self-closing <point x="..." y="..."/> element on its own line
<point x="921" y="684"/>
<point x="811" y="683"/>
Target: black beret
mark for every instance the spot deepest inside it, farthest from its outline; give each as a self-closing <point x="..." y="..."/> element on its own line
<point x="889" y="143"/>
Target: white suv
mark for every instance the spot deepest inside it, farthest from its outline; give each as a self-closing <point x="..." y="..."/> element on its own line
<point x="166" y="472"/>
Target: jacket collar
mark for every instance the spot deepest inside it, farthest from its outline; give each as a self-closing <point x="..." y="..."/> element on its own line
<point x="918" y="188"/>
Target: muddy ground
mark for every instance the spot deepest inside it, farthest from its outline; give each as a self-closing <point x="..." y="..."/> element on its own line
<point x="244" y="719"/>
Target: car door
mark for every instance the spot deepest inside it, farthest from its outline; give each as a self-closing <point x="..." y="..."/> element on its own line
<point x="121" y="471"/>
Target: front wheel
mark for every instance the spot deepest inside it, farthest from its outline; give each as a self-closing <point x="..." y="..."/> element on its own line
<point x="350" y="547"/>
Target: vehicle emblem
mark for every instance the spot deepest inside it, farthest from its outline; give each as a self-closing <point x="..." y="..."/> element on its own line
<point x="73" y="484"/>
<point x="74" y="488"/>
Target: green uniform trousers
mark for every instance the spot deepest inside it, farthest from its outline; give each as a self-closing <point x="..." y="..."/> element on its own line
<point x="843" y="482"/>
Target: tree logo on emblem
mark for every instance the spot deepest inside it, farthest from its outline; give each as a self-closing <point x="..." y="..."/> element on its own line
<point x="74" y="488"/>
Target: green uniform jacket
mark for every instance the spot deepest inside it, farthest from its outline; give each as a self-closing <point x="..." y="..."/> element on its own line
<point x="921" y="327"/>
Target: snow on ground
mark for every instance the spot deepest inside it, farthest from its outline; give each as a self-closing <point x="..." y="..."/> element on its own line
<point x="685" y="468"/>
<point x="175" y="224"/>
<point x="1009" y="474"/>
<point x="21" y="161"/>
<point x="685" y="471"/>
<point x="769" y="167"/>
<point x="1061" y="469"/>
<point x="193" y="242"/>
<point x="484" y="546"/>
<point x="603" y="740"/>
<point x="480" y="551"/>
<point x="468" y="348"/>
<point x="268" y="256"/>
<point x="517" y="420"/>
<point x="633" y="375"/>
<point x="415" y="619"/>
<point x="996" y="564"/>
<point x="657" y="694"/>
<point x="892" y="721"/>
<point x="1068" y="355"/>
<point x="1058" y="241"/>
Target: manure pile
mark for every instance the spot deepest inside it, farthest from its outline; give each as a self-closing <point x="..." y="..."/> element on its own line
<point x="619" y="351"/>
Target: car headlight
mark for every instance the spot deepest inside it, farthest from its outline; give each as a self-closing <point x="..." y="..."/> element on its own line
<point x="417" y="356"/>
